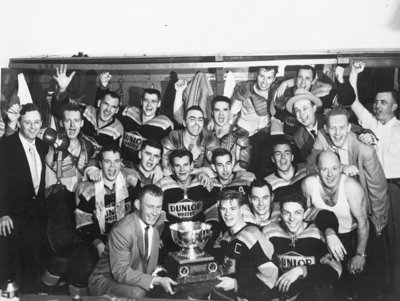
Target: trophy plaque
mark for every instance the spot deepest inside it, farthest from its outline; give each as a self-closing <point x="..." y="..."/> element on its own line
<point x="191" y="263"/>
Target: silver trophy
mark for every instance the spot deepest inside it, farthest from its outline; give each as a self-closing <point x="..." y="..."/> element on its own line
<point x="192" y="237"/>
<point x="191" y="263"/>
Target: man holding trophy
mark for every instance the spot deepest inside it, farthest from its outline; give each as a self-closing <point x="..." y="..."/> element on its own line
<point x="127" y="267"/>
<point x="248" y="254"/>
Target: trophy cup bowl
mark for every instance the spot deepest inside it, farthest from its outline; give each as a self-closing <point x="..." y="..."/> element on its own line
<point x="191" y="237"/>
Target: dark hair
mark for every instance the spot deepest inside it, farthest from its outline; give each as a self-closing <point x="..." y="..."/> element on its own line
<point x="319" y="155"/>
<point x="29" y="107"/>
<point x="180" y="153"/>
<point x="395" y="94"/>
<point x="109" y="148"/>
<point x="219" y="152"/>
<point x="289" y="194"/>
<point x="192" y="108"/>
<point x="230" y="195"/>
<point x="260" y="183"/>
<point x="112" y="94"/>
<point x="282" y="141"/>
<point x="71" y="107"/>
<point x="152" y="143"/>
<point x="307" y="67"/>
<point x="337" y="111"/>
<point x="220" y="98"/>
<point x="268" y="68"/>
<point x="152" y="91"/>
<point x="150" y="189"/>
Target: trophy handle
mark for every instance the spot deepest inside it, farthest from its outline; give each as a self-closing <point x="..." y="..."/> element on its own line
<point x="203" y="234"/>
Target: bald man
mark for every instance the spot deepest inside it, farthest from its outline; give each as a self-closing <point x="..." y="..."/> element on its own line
<point x="330" y="189"/>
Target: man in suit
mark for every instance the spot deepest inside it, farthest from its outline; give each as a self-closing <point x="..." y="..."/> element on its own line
<point x="21" y="201"/>
<point x="304" y="106"/>
<point x="131" y="255"/>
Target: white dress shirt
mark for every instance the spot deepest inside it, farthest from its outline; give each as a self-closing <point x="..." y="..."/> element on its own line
<point x="343" y="152"/>
<point x="388" y="145"/>
<point x="38" y="168"/>
<point x="150" y="233"/>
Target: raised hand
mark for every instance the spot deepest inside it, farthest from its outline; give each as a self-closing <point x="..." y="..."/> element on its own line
<point x="327" y="69"/>
<point x="180" y="85"/>
<point x="339" y="71"/>
<point x="13" y="115"/>
<point x="105" y="78"/>
<point x="358" y="67"/>
<point x="61" y="77"/>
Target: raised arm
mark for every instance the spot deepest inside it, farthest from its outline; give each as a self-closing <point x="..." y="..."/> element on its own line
<point x="60" y="98"/>
<point x="13" y="116"/>
<point x="179" y="108"/>
<point x="62" y="79"/>
<point x="345" y="92"/>
<point x="289" y="83"/>
<point x="104" y="79"/>
<point x="357" y="106"/>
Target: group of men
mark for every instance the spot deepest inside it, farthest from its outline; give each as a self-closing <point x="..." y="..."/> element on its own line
<point x="294" y="192"/>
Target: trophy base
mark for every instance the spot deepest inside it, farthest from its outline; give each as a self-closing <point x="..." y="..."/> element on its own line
<point x="185" y="270"/>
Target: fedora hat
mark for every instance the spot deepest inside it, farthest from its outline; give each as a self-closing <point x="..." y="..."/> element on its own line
<point x="301" y="94"/>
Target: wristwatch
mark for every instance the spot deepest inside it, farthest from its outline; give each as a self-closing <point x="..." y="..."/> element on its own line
<point x="361" y="254"/>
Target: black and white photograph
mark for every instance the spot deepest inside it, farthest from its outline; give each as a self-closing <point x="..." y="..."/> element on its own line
<point x="200" y="150"/>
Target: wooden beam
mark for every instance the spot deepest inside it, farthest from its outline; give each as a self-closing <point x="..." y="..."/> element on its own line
<point x="205" y="63"/>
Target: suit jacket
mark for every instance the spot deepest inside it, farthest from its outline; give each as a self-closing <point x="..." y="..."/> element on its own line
<point x="304" y="140"/>
<point x="123" y="260"/>
<point x="371" y="174"/>
<point x="17" y="194"/>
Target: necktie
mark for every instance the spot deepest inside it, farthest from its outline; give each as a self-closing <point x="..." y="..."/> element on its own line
<point x="313" y="133"/>
<point x="146" y="241"/>
<point x="34" y="170"/>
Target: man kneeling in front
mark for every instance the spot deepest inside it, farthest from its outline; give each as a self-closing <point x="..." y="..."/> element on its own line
<point x="126" y="266"/>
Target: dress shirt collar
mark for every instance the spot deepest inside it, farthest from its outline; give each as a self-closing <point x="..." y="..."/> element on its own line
<point x="345" y="146"/>
<point x="26" y="144"/>
<point x="390" y="122"/>
<point x="143" y="225"/>
<point x="315" y="128"/>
